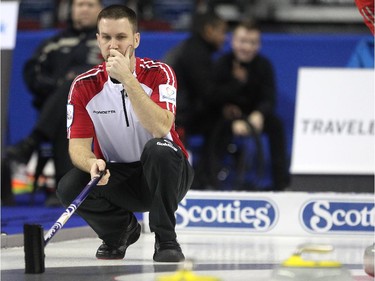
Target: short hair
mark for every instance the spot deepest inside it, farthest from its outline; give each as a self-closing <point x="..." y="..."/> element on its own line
<point x="248" y="24"/>
<point x="201" y="20"/>
<point x="71" y="2"/>
<point x="118" y="12"/>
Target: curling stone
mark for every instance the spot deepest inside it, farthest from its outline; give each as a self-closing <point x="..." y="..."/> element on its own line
<point x="368" y="260"/>
<point x="185" y="273"/>
<point x="298" y="269"/>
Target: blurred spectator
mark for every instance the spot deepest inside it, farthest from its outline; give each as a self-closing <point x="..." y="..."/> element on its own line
<point x="245" y="94"/>
<point x="49" y="74"/>
<point x="7" y="198"/>
<point x="192" y="61"/>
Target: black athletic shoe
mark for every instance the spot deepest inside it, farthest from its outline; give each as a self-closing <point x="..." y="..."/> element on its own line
<point x="22" y="151"/>
<point x="115" y="252"/>
<point x="168" y="251"/>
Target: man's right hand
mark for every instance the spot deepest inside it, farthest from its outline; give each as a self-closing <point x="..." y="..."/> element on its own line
<point x="97" y="166"/>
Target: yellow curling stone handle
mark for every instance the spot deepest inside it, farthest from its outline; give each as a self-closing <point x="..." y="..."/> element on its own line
<point x="296" y="259"/>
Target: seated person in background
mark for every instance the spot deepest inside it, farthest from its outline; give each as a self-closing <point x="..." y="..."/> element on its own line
<point x="192" y="61"/>
<point x="49" y="74"/>
<point x="245" y="92"/>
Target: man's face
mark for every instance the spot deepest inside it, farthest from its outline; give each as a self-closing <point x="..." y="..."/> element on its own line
<point x="216" y="34"/>
<point x="245" y="44"/>
<point x="85" y="12"/>
<point x="116" y="34"/>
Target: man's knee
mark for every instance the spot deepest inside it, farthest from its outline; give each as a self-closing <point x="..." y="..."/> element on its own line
<point x="62" y="193"/>
<point x="69" y="186"/>
<point x="159" y="149"/>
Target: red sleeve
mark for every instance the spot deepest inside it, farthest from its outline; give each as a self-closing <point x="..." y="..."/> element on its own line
<point x="81" y="125"/>
<point x="366" y="8"/>
<point x="165" y="90"/>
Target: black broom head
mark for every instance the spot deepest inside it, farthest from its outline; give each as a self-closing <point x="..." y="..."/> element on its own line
<point x="33" y="238"/>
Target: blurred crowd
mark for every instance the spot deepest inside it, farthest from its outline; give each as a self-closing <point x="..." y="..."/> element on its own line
<point x="276" y="15"/>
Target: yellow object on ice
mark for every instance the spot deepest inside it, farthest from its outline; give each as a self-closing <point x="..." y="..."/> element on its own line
<point x="186" y="275"/>
<point x="296" y="259"/>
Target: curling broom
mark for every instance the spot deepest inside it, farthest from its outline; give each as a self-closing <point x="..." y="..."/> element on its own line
<point x="34" y="241"/>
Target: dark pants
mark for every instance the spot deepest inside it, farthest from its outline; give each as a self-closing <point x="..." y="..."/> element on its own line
<point x="156" y="184"/>
<point x="274" y="129"/>
<point x="51" y="124"/>
<point x="7" y="197"/>
<point x="216" y="146"/>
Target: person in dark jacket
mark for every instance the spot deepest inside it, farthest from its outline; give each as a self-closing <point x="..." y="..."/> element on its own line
<point x="49" y="74"/>
<point x="193" y="61"/>
<point x="245" y="94"/>
<point x="194" y="68"/>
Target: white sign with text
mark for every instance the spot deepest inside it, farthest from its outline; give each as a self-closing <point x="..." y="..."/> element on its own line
<point x="334" y="122"/>
<point x="271" y="213"/>
<point x="8" y="24"/>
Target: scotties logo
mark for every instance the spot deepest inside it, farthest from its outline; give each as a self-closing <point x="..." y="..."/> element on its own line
<point x="254" y="215"/>
<point x="324" y="216"/>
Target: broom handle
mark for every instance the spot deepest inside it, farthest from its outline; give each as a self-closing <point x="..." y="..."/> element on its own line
<point x="72" y="208"/>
